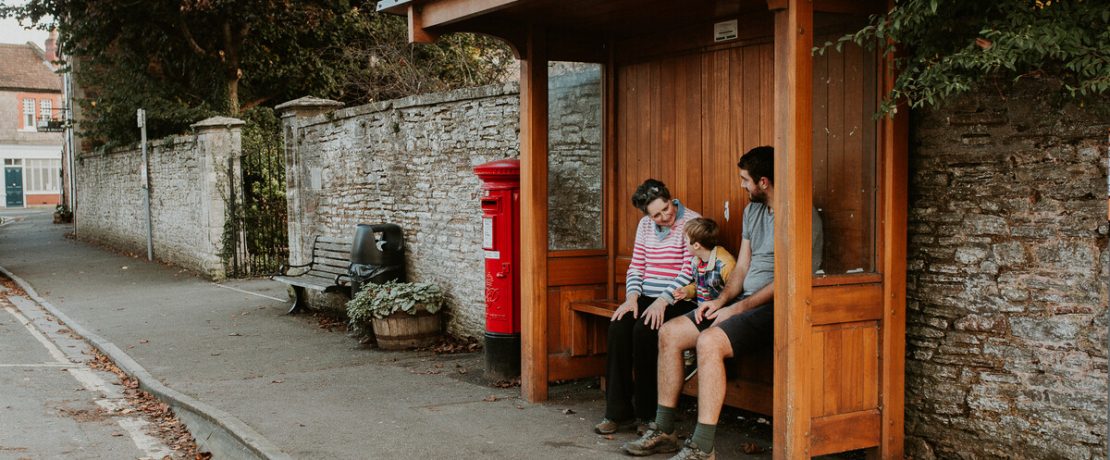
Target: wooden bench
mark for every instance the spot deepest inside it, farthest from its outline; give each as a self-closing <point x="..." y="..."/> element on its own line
<point x="751" y="389"/>
<point x="327" y="272"/>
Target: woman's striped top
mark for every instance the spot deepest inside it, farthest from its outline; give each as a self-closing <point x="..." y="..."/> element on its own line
<point x="658" y="257"/>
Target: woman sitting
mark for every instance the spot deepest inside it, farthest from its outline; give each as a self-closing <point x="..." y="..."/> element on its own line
<point x="658" y="257"/>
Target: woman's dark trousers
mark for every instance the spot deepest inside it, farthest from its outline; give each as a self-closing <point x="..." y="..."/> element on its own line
<point x="633" y="353"/>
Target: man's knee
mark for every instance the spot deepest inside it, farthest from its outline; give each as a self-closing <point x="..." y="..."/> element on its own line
<point x="713" y="344"/>
<point x="676" y="331"/>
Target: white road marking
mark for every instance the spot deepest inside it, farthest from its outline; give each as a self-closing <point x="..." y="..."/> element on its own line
<point x="249" y="292"/>
<point x="57" y="365"/>
<point x="50" y="347"/>
<point x="113" y="399"/>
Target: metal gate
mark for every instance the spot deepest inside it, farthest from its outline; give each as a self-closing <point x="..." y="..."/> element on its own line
<point x="256" y="239"/>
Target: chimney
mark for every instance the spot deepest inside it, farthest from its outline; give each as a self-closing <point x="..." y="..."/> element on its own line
<point x="52" y="46"/>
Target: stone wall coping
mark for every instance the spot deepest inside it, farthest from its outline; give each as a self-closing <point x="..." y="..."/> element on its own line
<point x="310" y="102"/>
<point x="419" y="100"/>
<point x="218" y="122"/>
<point x="163" y="143"/>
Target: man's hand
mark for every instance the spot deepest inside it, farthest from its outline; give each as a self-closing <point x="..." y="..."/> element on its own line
<point x="629" y="305"/>
<point x="722" y="314"/>
<point x="653" y="316"/>
<point x="705" y="309"/>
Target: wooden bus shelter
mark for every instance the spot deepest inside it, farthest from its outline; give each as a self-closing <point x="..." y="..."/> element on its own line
<point x="685" y="89"/>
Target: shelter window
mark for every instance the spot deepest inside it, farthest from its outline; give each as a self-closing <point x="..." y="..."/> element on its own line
<point x="575" y="140"/>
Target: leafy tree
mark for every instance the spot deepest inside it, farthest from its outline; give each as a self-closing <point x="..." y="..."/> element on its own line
<point x="945" y="47"/>
<point x="184" y="60"/>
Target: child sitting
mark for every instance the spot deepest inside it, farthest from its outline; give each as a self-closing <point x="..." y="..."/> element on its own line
<point x="704" y="278"/>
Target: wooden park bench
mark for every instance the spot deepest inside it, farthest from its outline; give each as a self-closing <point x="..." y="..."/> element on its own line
<point x="327" y="272"/>
<point x="750" y="389"/>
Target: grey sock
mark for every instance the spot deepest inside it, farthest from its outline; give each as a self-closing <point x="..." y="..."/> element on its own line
<point x="703" y="437"/>
<point x="664" y="418"/>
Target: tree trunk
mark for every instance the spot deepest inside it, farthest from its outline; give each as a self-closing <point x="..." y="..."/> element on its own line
<point x="233" y="96"/>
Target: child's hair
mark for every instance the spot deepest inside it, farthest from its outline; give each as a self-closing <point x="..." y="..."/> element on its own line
<point x="703" y="231"/>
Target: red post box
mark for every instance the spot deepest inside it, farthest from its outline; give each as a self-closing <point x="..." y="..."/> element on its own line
<point x="501" y="248"/>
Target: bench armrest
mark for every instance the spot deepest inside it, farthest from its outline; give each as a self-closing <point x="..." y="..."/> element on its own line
<point x="284" y="268"/>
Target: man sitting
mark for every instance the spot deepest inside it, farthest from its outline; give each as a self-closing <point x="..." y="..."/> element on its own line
<point x="720" y="332"/>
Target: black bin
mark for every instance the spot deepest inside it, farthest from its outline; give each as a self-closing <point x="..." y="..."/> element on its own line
<point x="377" y="255"/>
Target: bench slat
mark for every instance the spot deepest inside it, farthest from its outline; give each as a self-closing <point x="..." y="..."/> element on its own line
<point x="333" y="247"/>
<point x="303" y="281"/>
<point x="333" y="240"/>
<point x="601" y="307"/>
<point x="326" y="272"/>
<point x="329" y="254"/>
<point x="341" y="263"/>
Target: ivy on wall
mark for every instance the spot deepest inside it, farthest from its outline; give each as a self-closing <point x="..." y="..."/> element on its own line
<point x="945" y="47"/>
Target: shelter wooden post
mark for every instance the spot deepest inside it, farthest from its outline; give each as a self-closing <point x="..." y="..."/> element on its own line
<point x="895" y="180"/>
<point x="533" y="222"/>
<point x="793" y="226"/>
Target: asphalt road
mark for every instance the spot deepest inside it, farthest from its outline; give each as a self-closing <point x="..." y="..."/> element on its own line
<point x="52" y="404"/>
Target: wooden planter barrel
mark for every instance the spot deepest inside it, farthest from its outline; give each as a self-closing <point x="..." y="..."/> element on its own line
<point x="401" y="330"/>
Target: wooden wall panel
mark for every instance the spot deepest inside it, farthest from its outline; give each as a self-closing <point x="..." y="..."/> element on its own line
<point x="845" y="360"/>
<point x="703" y="111"/>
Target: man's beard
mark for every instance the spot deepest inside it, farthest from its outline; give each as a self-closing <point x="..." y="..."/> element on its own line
<point x="758" y="196"/>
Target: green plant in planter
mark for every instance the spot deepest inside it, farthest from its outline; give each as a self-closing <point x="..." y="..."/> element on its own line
<point x="381" y="300"/>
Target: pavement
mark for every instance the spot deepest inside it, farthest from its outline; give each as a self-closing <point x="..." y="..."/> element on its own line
<point x="241" y="371"/>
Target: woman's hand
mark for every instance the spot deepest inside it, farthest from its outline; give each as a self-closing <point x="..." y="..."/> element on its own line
<point x="629" y="305"/>
<point x="653" y="316"/>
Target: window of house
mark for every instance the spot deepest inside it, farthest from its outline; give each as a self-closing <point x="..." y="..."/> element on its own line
<point x="42" y="176"/>
<point x="28" y="114"/>
<point x="45" y="108"/>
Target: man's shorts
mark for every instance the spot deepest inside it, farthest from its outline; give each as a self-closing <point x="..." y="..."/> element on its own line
<point x="749" y="331"/>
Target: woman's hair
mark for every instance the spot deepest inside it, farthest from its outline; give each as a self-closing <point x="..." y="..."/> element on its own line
<point x="703" y="231"/>
<point x="649" y="191"/>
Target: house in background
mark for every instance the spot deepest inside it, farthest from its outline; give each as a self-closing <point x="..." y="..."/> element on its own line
<point x="30" y="144"/>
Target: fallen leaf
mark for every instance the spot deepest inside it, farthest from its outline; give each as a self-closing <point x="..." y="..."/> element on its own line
<point x="235" y="334"/>
<point x="490" y="398"/>
<point x="144" y="341"/>
<point x="751" y="448"/>
<point x="608" y="436"/>
<point x="117" y="434"/>
<point x="568" y="411"/>
<point x="278" y="381"/>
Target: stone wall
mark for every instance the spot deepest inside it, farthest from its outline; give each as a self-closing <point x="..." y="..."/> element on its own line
<point x="410" y="162"/>
<point x="188" y="191"/>
<point x="1008" y="273"/>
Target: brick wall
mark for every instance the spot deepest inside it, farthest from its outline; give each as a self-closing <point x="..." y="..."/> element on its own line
<point x="1008" y="272"/>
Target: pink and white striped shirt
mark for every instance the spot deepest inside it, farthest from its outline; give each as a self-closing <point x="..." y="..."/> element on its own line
<point x="657" y="260"/>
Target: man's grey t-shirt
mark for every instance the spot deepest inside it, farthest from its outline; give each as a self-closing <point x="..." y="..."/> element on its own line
<point x="759" y="228"/>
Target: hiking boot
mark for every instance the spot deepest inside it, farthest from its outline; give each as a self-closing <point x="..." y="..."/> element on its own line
<point x="691" y="452"/>
<point x="610" y="426"/>
<point x="652" y="442"/>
